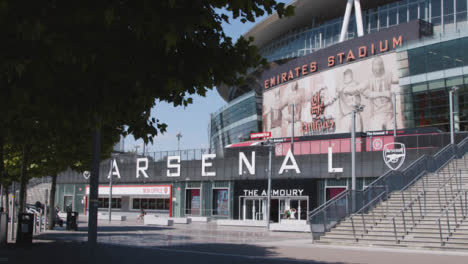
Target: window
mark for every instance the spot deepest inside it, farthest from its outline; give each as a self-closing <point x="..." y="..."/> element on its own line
<point x="192" y="202"/>
<point x="151" y="203"/>
<point x="221" y="202"/>
<point x="402" y="15"/>
<point x="435" y="11"/>
<point x="104" y="203"/>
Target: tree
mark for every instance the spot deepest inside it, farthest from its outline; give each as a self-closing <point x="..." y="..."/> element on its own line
<point x="106" y="63"/>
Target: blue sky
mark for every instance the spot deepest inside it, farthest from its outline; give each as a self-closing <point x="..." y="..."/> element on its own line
<point x="193" y="120"/>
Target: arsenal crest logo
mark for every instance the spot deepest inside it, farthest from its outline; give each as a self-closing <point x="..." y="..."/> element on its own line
<point x="394" y="155"/>
<point x="86" y="174"/>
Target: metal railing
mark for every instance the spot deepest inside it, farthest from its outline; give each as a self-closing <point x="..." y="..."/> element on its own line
<point x="368" y="208"/>
<point x="446" y="184"/>
<point x="414" y="221"/>
<point x="449" y="225"/>
<point x="328" y="215"/>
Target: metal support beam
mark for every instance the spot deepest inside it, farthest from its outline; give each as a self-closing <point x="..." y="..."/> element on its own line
<point x="344" y="28"/>
<point x="358" y="12"/>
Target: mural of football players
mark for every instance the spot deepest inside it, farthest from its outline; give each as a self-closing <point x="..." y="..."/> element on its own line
<point x="379" y="92"/>
<point x="349" y="95"/>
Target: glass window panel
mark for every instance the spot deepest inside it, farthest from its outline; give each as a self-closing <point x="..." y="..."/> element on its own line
<point x="422" y="11"/>
<point x="136" y="204"/>
<point x="413" y="12"/>
<point x="448" y="7"/>
<point x="144" y="203"/>
<point x="461" y="17"/>
<point x="373" y="21"/>
<point x="436" y="84"/>
<point x="419" y="87"/>
<point x="402" y="15"/>
<point x="454" y="81"/>
<point x="221" y="202"/>
<point x="448" y="19"/>
<point x="160" y="204"/>
<point x="166" y="204"/>
<point x="383" y="19"/>
<point x="461" y="6"/>
<point x="392" y="14"/>
<point x="417" y="61"/>
<point x="436" y="11"/>
<point x="152" y="204"/>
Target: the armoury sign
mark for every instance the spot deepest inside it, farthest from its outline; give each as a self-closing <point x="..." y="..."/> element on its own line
<point x="174" y="166"/>
<point x="274" y="192"/>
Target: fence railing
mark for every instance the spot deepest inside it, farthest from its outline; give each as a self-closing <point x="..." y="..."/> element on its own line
<point x="449" y="223"/>
<point x="368" y="208"/>
<point x="328" y="215"/>
<point x="414" y="220"/>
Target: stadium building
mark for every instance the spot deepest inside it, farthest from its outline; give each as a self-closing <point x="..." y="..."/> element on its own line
<point x="388" y="67"/>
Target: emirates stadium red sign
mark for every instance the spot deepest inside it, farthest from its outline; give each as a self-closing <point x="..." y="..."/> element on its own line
<point x="260" y="135"/>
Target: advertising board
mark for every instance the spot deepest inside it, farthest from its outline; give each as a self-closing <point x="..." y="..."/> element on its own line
<point x="323" y="102"/>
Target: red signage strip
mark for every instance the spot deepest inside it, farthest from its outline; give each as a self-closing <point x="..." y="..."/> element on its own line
<point x="260" y="135"/>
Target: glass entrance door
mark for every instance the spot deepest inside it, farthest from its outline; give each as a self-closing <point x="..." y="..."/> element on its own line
<point x="254" y="209"/>
<point x="293" y="208"/>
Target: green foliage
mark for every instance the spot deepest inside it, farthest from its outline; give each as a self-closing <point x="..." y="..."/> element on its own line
<point x="67" y="67"/>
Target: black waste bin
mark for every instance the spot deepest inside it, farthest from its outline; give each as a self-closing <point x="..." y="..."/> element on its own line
<point x="25" y="228"/>
<point x="72" y="219"/>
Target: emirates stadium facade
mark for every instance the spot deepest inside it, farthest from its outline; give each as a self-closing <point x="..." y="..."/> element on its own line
<point x="390" y="69"/>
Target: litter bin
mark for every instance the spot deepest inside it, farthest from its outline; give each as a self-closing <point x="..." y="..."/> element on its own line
<point x="72" y="219"/>
<point x="25" y="228"/>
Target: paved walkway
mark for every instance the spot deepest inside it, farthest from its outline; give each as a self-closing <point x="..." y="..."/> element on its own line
<point x="130" y="242"/>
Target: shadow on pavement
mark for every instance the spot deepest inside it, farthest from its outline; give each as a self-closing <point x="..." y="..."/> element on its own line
<point x="79" y="252"/>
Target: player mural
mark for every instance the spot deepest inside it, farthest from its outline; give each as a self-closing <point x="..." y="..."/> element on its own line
<point x="323" y="102"/>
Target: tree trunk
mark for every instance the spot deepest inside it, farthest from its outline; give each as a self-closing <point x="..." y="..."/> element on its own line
<point x="51" y="216"/>
<point x="2" y="169"/>
<point x="24" y="177"/>
<point x="7" y="198"/>
<point x="93" y="190"/>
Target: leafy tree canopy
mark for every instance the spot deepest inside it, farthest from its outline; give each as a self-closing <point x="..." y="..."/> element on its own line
<point x="107" y="62"/>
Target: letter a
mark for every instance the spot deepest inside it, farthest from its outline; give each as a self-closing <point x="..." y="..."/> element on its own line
<point x="293" y="166"/>
<point x="112" y="172"/>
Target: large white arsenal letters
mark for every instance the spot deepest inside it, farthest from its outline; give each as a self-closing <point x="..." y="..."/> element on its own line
<point x="174" y="165"/>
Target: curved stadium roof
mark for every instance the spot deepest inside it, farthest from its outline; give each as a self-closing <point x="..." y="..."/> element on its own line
<point x="306" y="12"/>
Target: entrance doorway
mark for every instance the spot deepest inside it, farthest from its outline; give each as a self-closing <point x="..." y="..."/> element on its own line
<point x="333" y="191"/>
<point x="68" y="203"/>
<point x="290" y="208"/>
<point x="255" y="209"/>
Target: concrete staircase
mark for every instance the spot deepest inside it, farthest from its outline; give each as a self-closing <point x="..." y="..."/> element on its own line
<point x="384" y="224"/>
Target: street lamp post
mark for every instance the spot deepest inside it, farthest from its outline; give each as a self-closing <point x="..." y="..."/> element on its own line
<point x="356" y="109"/>
<point x="179" y="136"/>
<point x="452" y="128"/>
<point x="394" y="115"/>
<point x="110" y="190"/>
<point x="270" y="153"/>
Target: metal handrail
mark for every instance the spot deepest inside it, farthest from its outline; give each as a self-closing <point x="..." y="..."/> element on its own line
<point x="402" y="212"/>
<point x="315" y="211"/>
<point x="361" y="212"/>
<point x="444" y="187"/>
<point x="419" y="166"/>
<point x="442" y="151"/>
<point x="445" y="212"/>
